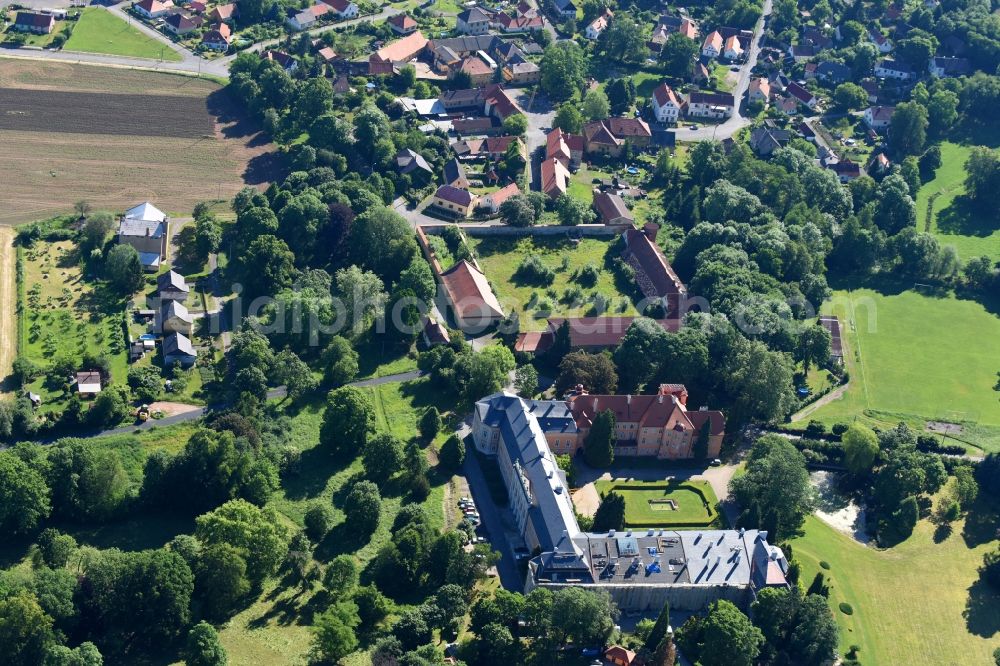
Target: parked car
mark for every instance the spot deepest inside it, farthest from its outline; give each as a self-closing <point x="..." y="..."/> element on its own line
<point x="716" y="462"/>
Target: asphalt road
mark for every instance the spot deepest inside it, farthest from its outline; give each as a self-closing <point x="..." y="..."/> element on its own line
<point x="732" y="125"/>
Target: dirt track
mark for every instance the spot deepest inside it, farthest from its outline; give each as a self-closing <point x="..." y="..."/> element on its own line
<point x="8" y="303"/>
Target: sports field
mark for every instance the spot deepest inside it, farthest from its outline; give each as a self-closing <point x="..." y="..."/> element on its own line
<point x="920" y="602"/>
<point x="943" y="211"/>
<point x="664" y="503"/>
<point x="116" y="137"/>
<point x="100" y="31"/>
<point x="918" y="357"/>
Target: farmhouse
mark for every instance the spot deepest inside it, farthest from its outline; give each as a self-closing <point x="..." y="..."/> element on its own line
<point x="473" y="302"/>
<point x="494" y="200"/>
<point x="177" y="348"/>
<point x="520" y="72"/>
<point x="344" y="9"/>
<point x="666" y="105"/>
<point x="170" y="286"/>
<point x="634" y="569"/>
<point x="710" y="105"/>
<point x="400" y="51"/>
<point x="474" y="21"/>
<point x="144" y="227"/>
<point x="455" y="200"/>
<point x="478" y="68"/>
<point x="88" y="383"/>
<point x="653" y="273"/>
<point x="592" y="334"/>
<point x="36" y="22"/>
<point x="402" y="24"/>
<point x="609" y="136"/>
<point x="555" y="178"/>
<point x="173" y="317"/>
<point x="565" y="147"/>
<point x="611" y="209"/>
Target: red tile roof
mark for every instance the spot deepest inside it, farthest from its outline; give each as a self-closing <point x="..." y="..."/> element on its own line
<point x="401" y="50"/>
<point x="469" y="291"/>
<point x="654" y="265"/>
<point x="664" y="94"/>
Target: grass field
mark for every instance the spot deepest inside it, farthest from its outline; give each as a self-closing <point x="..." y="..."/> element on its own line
<point x="950" y="219"/>
<point x="500" y="259"/>
<point x="646" y="505"/>
<point x="45" y="172"/>
<point x="100" y="31"/>
<point x="920" y="602"/>
<point x="915" y="357"/>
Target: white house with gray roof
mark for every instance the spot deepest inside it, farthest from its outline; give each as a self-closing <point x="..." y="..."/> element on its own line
<point x="145" y="227"/>
<point x="177" y="348"/>
<point x="641" y="569"/>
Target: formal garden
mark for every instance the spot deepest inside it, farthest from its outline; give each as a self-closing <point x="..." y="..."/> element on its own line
<point x="676" y="504"/>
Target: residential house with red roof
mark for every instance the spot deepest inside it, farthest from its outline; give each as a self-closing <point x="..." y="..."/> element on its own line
<point x="592" y="334"/>
<point x="802" y="96"/>
<point x="555" y="178"/>
<point x="402" y="24"/>
<point x="494" y="200"/>
<point x="223" y="13"/>
<point x="565" y="147"/>
<point x="616" y="655"/>
<point x="611" y="209"/>
<point x="400" y="51"/>
<point x="599" y="25"/>
<point x="712" y="46"/>
<point x="218" y="38"/>
<point x="732" y="50"/>
<point x="609" y="136"/>
<point x="473" y="303"/>
<point x="710" y="105"/>
<point x="653" y="273"/>
<point x="35" y="22"/>
<point x="182" y="24"/>
<point x="344" y="9"/>
<point x="151" y="9"/>
<point x="666" y="104"/>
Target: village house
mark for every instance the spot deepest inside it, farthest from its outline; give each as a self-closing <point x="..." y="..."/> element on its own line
<point x="846" y="170"/>
<point x="802" y="96"/>
<point x="666" y="105"/>
<point x="598" y="25"/>
<point x="565" y="9"/>
<point x="555" y="178"/>
<point x="878" y="117"/>
<point x="307" y="18"/>
<point x="788" y="106"/>
<point x="948" y="67"/>
<point x="880" y="41"/>
<point x="152" y="9"/>
<point x="223" y="13"/>
<point x="473" y="303"/>
<point x="653" y="273"/>
<point x="521" y="72"/>
<point x="88" y="383"/>
<point x="177" y="348"/>
<point x="402" y="24"/>
<point x="398" y="52"/>
<point x="833" y="72"/>
<point x="492" y="201"/>
<point x="170" y="286"/>
<point x="434" y="333"/>
<point x="218" y="38"/>
<point x="710" y="105"/>
<point x="287" y="62"/>
<point x="38" y="23"/>
<point x="759" y="90"/>
<point x="473" y="21"/>
<point x="454" y="200"/>
<point x="499" y="104"/>
<point x="182" y="24"/>
<point x="493" y="147"/>
<point x="765" y="140"/>
<point x="145" y="227"/>
<point x="712" y="46"/>
<point x="800" y="52"/>
<point x="893" y="69"/>
<point x="616" y="655"/>
<point x="518" y="23"/>
<point x="609" y="136"/>
<point x="733" y="50"/>
<point x="611" y="209"/>
<point x="173" y="317"/>
<point x="343" y="9"/>
<point x="454" y="174"/>
<point x="565" y="147"/>
<point x="411" y="163"/>
<point x="479" y="69"/>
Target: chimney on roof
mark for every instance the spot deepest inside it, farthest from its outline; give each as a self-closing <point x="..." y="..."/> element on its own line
<point x="628" y="399"/>
<point x="774" y="554"/>
<point x="147" y="232"/>
<point x="595" y="405"/>
<point x="650" y="229"/>
<point x="659" y="399"/>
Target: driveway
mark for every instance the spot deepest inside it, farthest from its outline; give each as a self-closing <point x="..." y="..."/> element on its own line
<point x="732" y="125"/>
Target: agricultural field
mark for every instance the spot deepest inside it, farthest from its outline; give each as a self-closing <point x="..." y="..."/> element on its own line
<point x="943" y="210"/>
<point x="568" y="294"/>
<point x="665" y="503"/>
<point x="915" y="357"/>
<point x="919" y="602"/>
<point x="65" y="315"/>
<point x="116" y="137"/>
<point x="100" y="31"/>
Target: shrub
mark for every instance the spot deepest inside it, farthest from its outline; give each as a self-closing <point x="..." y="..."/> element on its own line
<point x="534" y="271"/>
<point x="588" y="275"/>
<point x="846" y="609"/>
<point x="824" y="564"/>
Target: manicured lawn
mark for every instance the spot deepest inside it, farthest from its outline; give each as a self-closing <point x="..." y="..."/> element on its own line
<point x="581" y="185"/>
<point x="100" y="31"/>
<point x="951" y="219"/>
<point x="919" y="602"/>
<point x="500" y="258"/>
<point x="916" y="357"/>
<point x="647" y="505"/>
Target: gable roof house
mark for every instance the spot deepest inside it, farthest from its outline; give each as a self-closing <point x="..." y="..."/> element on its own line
<point x="565" y="147"/>
<point x="592" y="334"/>
<point x="947" y="67"/>
<point x="498" y="103"/>
<point x="893" y="69"/>
<point x="480" y="68"/>
<point x="345" y="9"/>
<point x="182" y="24"/>
<point x="846" y="170"/>
<point x="712" y="46"/>
<point x="518" y="23"/>
<point x="880" y="41"/>
<point x="473" y="21"/>
<point x="171" y="286"/>
<point x="710" y="105"/>
<point x="145" y="227"/>
<point x="666" y="104"/>
<point x="35" y="22"/>
<point x="152" y="8"/>
<point x="287" y="62"/>
<point x="759" y="90"/>
<point x="473" y="303"/>
<point x="609" y="136"/>
<point x="302" y="20"/>
<point x="454" y="200"/>
<point x="619" y="656"/>
<point x="218" y="38"/>
<point x="494" y="200"/>
<point x="878" y="117"/>
<point x="787" y="105"/>
<point x="564" y="8"/>
<point x="410" y="162"/>
<point x="520" y="72"/>
<point x="222" y="13"/>
<point x="88" y="382"/>
<point x="402" y="24"/>
<point x="598" y="25"/>
<point x="454" y="174"/>
<point x="554" y="177"/>
<point x="611" y="209"/>
<point x="801" y="95"/>
<point x="400" y="51"/>
<point x="653" y="273"/>
<point x="173" y="317"/>
<point x="732" y="50"/>
<point x="833" y="72"/>
<point x="765" y="140"/>
<point x="177" y="348"/>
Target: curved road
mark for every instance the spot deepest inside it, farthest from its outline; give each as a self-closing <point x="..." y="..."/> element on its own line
<point x="732" y="125"/>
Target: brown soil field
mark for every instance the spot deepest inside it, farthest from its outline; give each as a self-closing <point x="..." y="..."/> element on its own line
<point x="8" y="304"/>
<point x="179" y="142"/>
